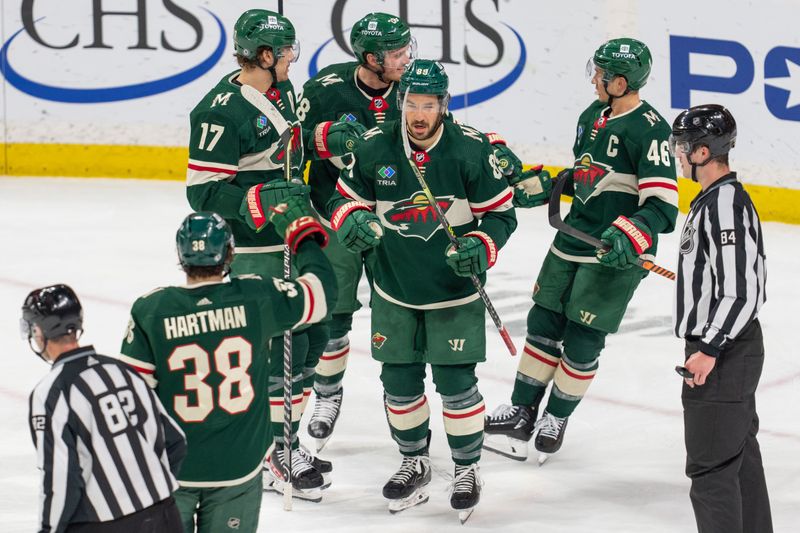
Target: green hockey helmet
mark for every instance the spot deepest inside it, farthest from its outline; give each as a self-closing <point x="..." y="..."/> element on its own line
<point x="378" y="33"/>
<point x="203" y="239"/>
<point x="624" y="57"/>
<point x="424" y="76"/>
<point x="260" y="27"/>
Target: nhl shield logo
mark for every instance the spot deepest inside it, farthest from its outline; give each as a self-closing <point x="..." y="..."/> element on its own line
<point x="414" y="216"/>
<point x="378" y="340"/>
<point x="687" y="239"/>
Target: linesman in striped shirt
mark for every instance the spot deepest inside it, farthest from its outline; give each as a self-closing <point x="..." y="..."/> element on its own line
<point x="107" y="451"/>
<point x="720" y="289"/>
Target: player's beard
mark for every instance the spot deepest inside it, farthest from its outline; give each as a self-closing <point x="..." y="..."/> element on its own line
<point x="429" y="132"/>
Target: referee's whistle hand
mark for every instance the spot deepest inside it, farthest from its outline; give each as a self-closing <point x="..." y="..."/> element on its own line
<point x="701" y="366"/>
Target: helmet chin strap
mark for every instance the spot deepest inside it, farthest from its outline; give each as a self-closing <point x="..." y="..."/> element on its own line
<point x="695" y="165"/>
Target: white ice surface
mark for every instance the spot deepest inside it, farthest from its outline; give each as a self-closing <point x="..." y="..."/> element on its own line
<point x="621" y="467"/>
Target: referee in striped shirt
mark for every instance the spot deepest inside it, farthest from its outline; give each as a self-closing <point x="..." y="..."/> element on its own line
<point x="107" y="451"/>
<point x="720" y="289"/>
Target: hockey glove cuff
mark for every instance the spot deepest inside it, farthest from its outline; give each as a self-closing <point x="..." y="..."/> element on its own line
<point x="532" y="188"/>
<point x="294" y="221"/>
<point x="627" y="239"/>
<point x="509" y="163"/>
<point x="335" y="139"/>
<point x="357" y="228"/>
<point x="476" y="253"/>
<point x="260" y="198"/>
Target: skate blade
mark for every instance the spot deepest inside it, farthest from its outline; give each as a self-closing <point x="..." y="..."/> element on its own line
<point x="464" y="514"/>
<point x="321" y="443"/>
<point x="418" y="497"/>
<point x="543" y="457"/>
<point x="308" y="495"/>
<point x="506" y="446"/>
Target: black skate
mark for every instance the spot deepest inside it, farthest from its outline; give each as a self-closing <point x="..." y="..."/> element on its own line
<point x="508" y="429"/>
<point x="466" y="490"/>
<point x="550" y="434"/>
<point x="408" y="486"/>
<point x="307" y="482"/>
<point x="320" y="465"/>
<point x="323" y="419"/>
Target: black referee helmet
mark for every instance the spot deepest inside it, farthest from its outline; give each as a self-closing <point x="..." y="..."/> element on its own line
<point x="55" y="310"/>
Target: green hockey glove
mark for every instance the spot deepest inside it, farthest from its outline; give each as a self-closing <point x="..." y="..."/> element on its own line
<point x="335" y="139"/>
<point x="532" y="187"/>
<point x="509" y="163"/>
<point x="628" y="238"/>
<point x="295" y="222"/>
<point x="475" y="254"/>
<point x="357" y="227"/>
<point x="260" y="198"/>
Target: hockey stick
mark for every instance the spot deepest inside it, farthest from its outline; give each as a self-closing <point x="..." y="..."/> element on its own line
<point x="554" y="216"/>
<point x="254" y="97"/>
<point x="450" y="233"/>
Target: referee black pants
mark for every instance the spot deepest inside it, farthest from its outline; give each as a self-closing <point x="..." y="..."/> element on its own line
<point x="161" y="517"/>
<point x="723" y="460"/>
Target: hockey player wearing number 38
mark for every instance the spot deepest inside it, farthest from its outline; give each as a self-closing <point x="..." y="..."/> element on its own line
<point x="425" y="309"/>
<point x="624" y="193"/>
<point x="203" y="348"/>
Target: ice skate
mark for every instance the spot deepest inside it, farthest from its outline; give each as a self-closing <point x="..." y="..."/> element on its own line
<point x="323" y="419"/>
<point x="466" y="490"/>
<point x="550" y="435"/>
<point x="321" y="465"/>
<point x="508" y="429"/>
<point x="307" y="482"/>
<point x="408" y="486"/>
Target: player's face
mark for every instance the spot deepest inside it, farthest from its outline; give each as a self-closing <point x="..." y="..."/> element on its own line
<point x="282" y="66"/>
<point x="422" y="115"/>
<point x="599" y="89"/>
<point x="395" y="61"/>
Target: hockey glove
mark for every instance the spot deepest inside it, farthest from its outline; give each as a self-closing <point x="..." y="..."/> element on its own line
<point x="357" y="228"/>
<point x="294" y="222"/>
<point x="260" y="198"/>
<point x="509" y="163"/>
<point x="335" y="139"/>
<point x="475" y="254"/>
<point x="628" y="238"/>
<point x="532" y="187"/>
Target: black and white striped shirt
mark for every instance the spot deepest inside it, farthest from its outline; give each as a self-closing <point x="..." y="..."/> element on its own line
<point x="721" y="267"/>
<point x="105" y="446"/>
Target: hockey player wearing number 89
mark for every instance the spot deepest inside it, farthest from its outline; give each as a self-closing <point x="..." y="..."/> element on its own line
<point x="203" y="348"/>
<point x="624" y="193"/>
<point x="425" y="309"/>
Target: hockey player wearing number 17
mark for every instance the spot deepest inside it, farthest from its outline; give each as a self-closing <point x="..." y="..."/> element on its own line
<point x="624" y="193"/>
<point x="425" y="309"/>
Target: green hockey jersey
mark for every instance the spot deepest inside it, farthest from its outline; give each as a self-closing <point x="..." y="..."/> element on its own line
<point x="408" y="266"/>
<point x="232" y="147"/>
<point x="622" y="167"/>
<point x="333" y="94"/>
<point x="204" y="350"/>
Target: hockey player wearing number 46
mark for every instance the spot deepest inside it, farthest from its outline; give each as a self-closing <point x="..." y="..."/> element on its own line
<point x="625" y="193"/>
<point x="425" y="309"/>
<point x="203" y="347"/>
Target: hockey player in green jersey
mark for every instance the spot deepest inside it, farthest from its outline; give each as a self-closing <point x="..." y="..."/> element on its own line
<point x="625" y="193"/>
<point x="425" y="310"/>
<point x="364" y="91"/>
<point x="202" y="347"/>
<point x="235" y="169"/>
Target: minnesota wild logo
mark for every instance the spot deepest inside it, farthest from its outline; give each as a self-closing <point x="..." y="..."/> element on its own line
<point x="414" y="217"/>
<point x="587" y="174"/>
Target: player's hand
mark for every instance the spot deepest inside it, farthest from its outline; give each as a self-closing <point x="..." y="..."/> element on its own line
<point x="509" y="163"/>
<point x="474" y="254"/>
<point x="335" y="139"/>
<point x="294" y="222"/>
<point x="701" y="366"/>
<point x="532" y="187"/>
<point x="360" y="230"/>
<point x="260" y="198"/>
<point x="627" y="239"/>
